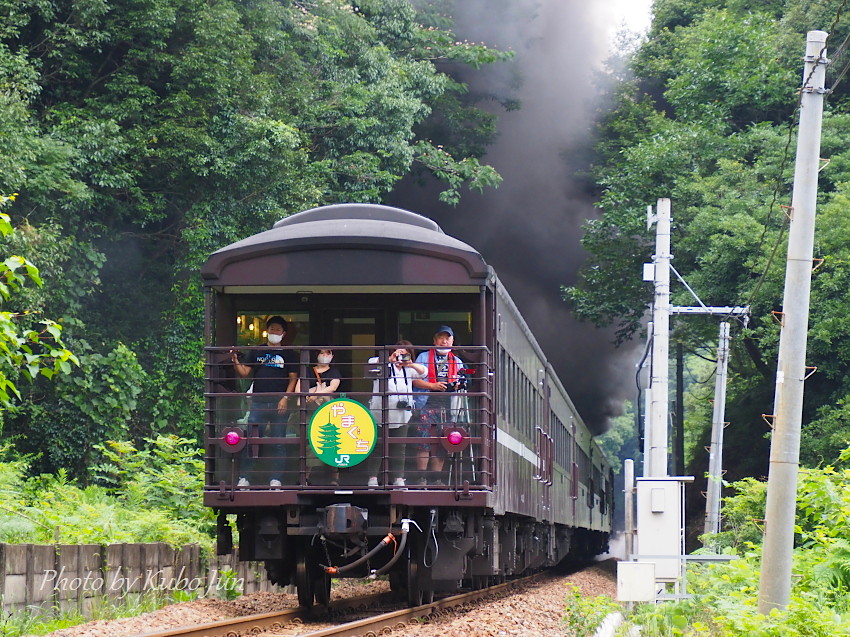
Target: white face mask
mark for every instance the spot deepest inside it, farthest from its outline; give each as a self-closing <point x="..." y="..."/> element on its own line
<point x="443" y="352"/>
<point x="324" y="358"/>
<point x="274" y="339"/>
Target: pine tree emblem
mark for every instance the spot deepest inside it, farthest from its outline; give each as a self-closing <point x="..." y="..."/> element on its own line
<point x="329" y="442"/>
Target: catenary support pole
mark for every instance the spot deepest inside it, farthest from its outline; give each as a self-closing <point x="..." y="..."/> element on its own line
<point x="777" y="550"/>
<point x="655" y="451"/>
<point x="715" y="451"/>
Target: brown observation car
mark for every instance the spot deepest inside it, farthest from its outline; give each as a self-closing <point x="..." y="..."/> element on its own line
<point x="364" y="471"/>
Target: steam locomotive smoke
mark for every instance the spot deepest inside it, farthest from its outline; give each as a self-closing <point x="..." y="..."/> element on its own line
<point x="529" y="228"/>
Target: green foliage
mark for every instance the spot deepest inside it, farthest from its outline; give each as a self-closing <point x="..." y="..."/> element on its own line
<point x="455" y="173"/>
<point x="167" y="476"/>
<point x="29" y="348"/>
<point x="743" y="516"/>
<point x="707" y="118"/>
<point x="228" y="586"/>
<point x="152" y="498"/>
<point x="145" y="135"/>
<point x="32" y="622"/>
<point x="584" y="614"/>
<point x="620" y="441"/>
<point x="58" y="423"/>
<point x="733" y="67"/>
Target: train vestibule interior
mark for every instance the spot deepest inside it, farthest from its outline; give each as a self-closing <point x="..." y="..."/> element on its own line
<point x="357" y="328"/>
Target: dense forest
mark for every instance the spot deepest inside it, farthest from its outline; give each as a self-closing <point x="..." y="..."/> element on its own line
<point x="705" y="113"/>
<point x="139" y="136"/>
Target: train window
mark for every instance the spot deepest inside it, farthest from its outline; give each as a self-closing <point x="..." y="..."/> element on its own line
<point x="556" y="428"/>
<point x="516" y="407"/>
<point x="520" y="399"/>
<point x="524" y="406"/>
<point x="555" y="431"/>
<point x="516" y="389"/>
<point x="502" y="385"/>
<point x="250" y="327"/>
<point x="511" y="391"/>
<point x="418" y="326"/>
<point x="603" y="501"/>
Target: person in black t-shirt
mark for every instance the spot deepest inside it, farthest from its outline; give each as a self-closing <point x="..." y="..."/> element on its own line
<point x="321" y="382"/>
<point x="273" y="373"/>
<point x="322" y="379"/>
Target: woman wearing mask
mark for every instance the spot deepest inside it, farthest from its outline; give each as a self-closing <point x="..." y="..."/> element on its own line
<point x="324" y="379"/>
<point x="321" y="382"/>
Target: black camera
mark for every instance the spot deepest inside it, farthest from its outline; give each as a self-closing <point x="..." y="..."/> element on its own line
<point x="404" y="358"/>
<point x="402" y="404"/>
<point x="458" y="385"/>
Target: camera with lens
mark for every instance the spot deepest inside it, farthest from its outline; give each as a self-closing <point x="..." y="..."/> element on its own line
<point x="458" y="385"/>
<point x="402" y="404"/>
<point x="404" y="358"/>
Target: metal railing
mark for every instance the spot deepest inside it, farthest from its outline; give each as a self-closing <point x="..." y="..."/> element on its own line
<point x="275" y="445"/>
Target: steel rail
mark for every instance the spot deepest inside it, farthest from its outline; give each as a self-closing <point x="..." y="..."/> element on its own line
<point x="398" y="620"/>
<point x="369" y="627"/>
<point x="263" y="622"/>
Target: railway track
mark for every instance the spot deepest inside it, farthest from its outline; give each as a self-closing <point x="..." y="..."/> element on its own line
<point x="291" y="622"/>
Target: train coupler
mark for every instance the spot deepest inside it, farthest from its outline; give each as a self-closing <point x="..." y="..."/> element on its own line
<point x="343" y="519"/>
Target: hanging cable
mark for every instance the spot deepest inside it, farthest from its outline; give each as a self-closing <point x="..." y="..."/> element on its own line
<point x="782" y="165"/>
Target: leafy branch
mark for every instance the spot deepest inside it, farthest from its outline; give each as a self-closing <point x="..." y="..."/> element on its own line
<point x="24" y="351"/>
<point x="455" y="172"/>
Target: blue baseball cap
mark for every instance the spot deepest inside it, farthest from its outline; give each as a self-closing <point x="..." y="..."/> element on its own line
<point x="445" y="328"/>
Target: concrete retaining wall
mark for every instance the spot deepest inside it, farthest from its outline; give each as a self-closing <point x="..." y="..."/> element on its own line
<point x="61" y="577"/>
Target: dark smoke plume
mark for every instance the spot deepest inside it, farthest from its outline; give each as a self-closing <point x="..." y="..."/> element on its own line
<point x="529" y="228"/>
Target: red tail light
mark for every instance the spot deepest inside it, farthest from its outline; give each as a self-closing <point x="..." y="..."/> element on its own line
<point x="455" y="437"/>
<point x="233" y="439"/>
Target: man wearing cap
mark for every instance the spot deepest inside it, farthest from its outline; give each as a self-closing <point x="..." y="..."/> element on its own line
<point x="432" y="402"/>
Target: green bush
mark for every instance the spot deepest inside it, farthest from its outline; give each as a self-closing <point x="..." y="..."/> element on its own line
<point x="725" y="596"/>
<point x="147" y="495"/>
<point x="585" y="614"/>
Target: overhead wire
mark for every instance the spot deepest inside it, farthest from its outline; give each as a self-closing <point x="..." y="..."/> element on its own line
<point x="837" y="54"/>
<point x="792" y="123"/>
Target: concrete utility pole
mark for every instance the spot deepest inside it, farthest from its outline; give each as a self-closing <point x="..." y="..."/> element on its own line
<point x="655" y="440"/>
<point x="715" y="451"/>
<point x="775" y="584"/>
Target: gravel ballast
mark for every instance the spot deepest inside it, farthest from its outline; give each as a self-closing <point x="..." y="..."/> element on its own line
<point x="536" y="611"/>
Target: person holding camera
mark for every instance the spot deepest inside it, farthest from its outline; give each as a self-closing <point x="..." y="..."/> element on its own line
<point x="401" y="371"/>
<point x="433" y="400"/>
